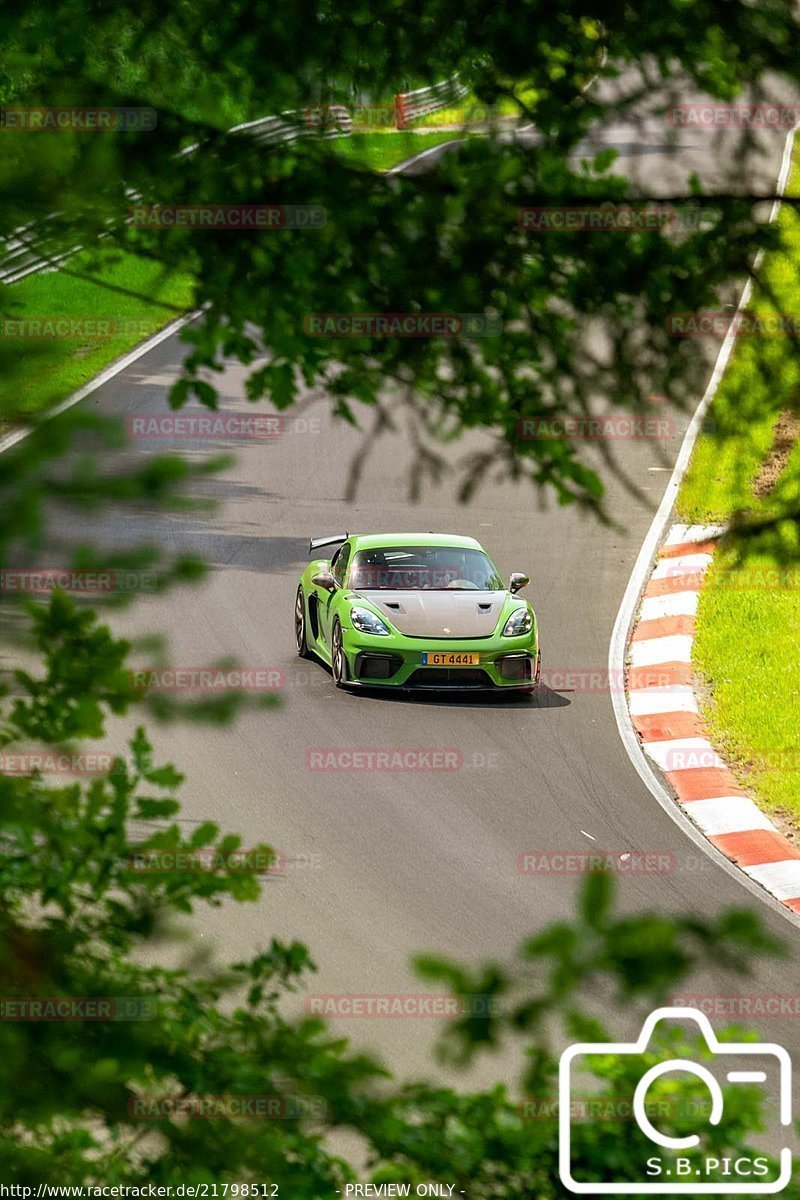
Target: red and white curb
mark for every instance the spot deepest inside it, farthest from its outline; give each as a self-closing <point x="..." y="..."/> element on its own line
<point x="664" y="712"/>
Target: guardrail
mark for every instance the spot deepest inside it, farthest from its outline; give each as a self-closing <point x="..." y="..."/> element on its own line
<point x="409" y="106"/>
<point x="21" y="258"/>
<point x="329" y="120"/>
<point x="332" y="120"/>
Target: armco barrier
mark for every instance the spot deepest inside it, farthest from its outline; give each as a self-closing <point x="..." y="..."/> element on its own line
<point x="410" y="106"/>
<point x="21" y="257"/>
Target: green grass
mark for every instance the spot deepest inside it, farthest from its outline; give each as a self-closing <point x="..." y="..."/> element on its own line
<point x="762" y="377"/>
<point x="381" y="150"/>
<point x="747" y="648"/>
<point x="38" y="372"/>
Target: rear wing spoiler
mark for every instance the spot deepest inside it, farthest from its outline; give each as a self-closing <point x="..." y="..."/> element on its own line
<point x="318" y="543"/>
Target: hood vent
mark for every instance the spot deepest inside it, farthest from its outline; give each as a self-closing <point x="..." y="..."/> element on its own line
<point x="435" y="613"/>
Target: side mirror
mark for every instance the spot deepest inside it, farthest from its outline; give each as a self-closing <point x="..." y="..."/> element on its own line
<point x="324" y="580"/>
<point x="517" y="581"/>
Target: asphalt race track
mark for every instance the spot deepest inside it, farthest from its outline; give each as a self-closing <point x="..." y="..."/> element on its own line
<point x="381" y="865"/>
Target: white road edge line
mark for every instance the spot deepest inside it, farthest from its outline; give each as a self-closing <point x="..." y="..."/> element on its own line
<point x="644" y="561"/>
<point x="113" y="369"/>
<point x="415" y="158"/>
<point x="97" y="381"/>
<point x="522" y="129"/>
<point x="19" y="435"/>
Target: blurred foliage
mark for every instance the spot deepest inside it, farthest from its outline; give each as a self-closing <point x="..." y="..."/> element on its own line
<point x="77" y="915"/>
<point x="583" y="316"/>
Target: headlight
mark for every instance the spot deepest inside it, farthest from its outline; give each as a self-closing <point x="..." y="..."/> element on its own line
<point x="368" y="622"/>
<point x="518" y="623"/>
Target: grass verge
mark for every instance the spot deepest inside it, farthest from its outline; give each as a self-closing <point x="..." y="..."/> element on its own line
<point x="747" y="648"/>
<point x="115" y="302"/>
<point x="110" y="305"/>
<point x="382" y="150"/>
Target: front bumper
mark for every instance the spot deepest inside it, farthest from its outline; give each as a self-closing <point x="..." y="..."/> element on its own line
<point x="506" y="664"/>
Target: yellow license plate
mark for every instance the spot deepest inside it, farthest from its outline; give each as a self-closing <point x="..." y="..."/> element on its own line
<point x="442" y="658"/>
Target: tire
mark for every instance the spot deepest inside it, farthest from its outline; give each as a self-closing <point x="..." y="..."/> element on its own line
<point x="300" y="626"/>
<point x="338" y="656"/>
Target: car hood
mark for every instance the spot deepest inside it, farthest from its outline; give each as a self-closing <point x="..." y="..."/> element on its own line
<point x="445" y="614"/>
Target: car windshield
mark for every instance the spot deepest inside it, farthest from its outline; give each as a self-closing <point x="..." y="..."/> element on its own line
<point x="432" y="568"/>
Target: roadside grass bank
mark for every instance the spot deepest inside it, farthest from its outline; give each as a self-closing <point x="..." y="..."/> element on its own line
<point x="59" y="328"/>
<point x="746" y="471"/>
<point x="384" y="149"/>
<point x="72" y="322"/>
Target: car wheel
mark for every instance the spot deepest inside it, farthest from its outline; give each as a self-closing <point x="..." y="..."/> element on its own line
<point x="338" y="657"/>
<point x="300" y="625"/>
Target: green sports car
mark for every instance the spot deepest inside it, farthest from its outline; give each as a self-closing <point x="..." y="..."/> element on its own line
<point x="415" y="610"/>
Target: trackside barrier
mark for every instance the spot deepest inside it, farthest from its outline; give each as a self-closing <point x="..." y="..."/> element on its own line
<point x="410" y="106"/>
<point x="333" y="120"/>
